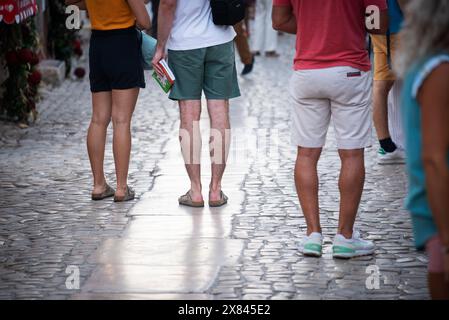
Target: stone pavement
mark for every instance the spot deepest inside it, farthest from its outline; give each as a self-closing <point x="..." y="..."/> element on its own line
<point x="154" y="249"/>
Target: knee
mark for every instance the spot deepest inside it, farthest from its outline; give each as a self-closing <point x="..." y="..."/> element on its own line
<point x="309" y="154"/>
<point x="100" y="121"/>
<point x="121" y="120"/>
<point x="352" y="155"/>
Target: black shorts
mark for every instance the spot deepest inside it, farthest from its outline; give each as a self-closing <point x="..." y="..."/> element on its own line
<point x="115" y="60"/>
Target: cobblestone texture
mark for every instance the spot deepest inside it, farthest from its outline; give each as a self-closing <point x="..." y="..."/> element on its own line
<point x="47" y="219"/>
<point x="48" y="222"/>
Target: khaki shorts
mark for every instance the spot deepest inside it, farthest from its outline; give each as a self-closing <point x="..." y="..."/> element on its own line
<point x="382" y="70"/>
<point x="340" y="93"/>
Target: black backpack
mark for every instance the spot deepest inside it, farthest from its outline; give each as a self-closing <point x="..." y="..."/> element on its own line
<point x="227" y="12"/>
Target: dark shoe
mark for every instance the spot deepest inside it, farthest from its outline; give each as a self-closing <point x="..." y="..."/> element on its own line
<point x="256" y="53"/>
<point x="186" y="200"/>
<point x="248" y="68"/>
<point x="223" y="200"/>
<point x="271" y="54"/>
<point x="129" y="195"/>
<point x="107" y="193"/>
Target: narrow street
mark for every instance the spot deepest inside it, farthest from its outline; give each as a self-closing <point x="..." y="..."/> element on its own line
<point x="152" y="248"/>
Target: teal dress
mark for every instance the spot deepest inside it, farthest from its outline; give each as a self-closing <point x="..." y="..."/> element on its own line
<point x="424" y="226"/>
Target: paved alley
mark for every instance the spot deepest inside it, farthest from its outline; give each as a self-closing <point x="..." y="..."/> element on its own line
<point x="152" y="248"/>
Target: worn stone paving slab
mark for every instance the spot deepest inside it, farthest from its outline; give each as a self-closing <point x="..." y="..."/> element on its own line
<point x="129" y="279"/>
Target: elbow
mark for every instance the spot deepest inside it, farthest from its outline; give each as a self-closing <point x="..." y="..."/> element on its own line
<point x="276" y="25"/>
<point x="145" y="24"/>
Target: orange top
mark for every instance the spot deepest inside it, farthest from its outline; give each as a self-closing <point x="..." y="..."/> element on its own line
<point x="110" y="14"/>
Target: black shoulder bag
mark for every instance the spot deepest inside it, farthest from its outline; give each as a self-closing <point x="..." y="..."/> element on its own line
<point x="227" y="12"/>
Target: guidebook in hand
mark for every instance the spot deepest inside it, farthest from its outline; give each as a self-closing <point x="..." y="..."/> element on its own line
<point x="148" y="50"/>
<point x="168" y="79"/>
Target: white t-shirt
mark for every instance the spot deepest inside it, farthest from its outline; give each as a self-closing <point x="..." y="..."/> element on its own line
<point x="193" y="27"/>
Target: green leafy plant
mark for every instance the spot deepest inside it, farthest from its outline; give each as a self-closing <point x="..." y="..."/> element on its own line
<point x="18" y="47"/>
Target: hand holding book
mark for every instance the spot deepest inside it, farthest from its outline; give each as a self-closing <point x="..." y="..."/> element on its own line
<point x="159" y="55"/>
<point x="167" y="79"/>
<point x="162" y="73"/>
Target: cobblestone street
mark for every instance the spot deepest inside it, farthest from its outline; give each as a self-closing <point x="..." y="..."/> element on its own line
<point x="153" y="249"/>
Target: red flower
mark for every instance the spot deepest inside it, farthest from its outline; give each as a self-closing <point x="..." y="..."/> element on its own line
<point x="35" y="78"/>
<point x="78" y="52"/>
<point x="25" y="55"/>
<point x="76" y="44"/>
<point x="34" y="59"/>
<point x="80" y="73"/>
<point x="12" y="58"/>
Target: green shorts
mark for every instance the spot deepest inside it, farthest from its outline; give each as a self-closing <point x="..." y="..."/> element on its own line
<point x="210" y="69"/>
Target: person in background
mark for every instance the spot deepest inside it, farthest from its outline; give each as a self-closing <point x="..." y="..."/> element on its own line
<point x="423" y="62"/>
<point x="265" y="37"/>
<point x="241" y="42"/>
<point x="384" y="48"/>
<point x="116" y="74"/>
<point x="332" y="79"/>
<point x="153" y="7"/>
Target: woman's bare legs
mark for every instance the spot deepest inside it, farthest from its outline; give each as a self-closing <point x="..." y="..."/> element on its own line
<point x="123" y="104"/>
<point x="96" y="137"/>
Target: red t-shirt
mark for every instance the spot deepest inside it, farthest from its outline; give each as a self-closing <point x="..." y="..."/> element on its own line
<point x="331" y="33"/>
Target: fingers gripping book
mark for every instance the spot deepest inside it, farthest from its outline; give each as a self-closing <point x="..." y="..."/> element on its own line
<point x="167" y="80"/>
<point x="148" y="48"/>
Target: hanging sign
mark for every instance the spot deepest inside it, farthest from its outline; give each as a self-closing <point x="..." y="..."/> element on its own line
<point x="16" y="11"/>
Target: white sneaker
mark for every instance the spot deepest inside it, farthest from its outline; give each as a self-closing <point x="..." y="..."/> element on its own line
<point x="350" y="248"/>
<point x="395" y="157"/>
<point x="312" y="245"/>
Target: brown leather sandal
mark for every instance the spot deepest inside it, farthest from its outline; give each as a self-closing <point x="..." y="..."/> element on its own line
<point x="223" y="200"/>
<point x="186" y="200"/>
<point x="129" y="195"/>
<point x="107" y="193"/>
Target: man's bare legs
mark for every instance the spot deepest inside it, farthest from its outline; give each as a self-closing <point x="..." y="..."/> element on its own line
<point x="352" y="178"/>
<point x="350" y="184"/>
<point x="123" y="104"/>
<point x="381" y="89"/>
<point x="306" y="181"/>
<point x="190" y="138"/>
<point x="219" y="144"/>
<point x="96" y="137"/>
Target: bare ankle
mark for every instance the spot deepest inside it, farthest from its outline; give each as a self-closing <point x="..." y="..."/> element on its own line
<point x="311" y="230"/>
<point x="214" y="188"/>
<point x="196" y="188"/>
<point x="121" y="188"/>
<point x="99" y="185"/>
<point x="347" y="233"/>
